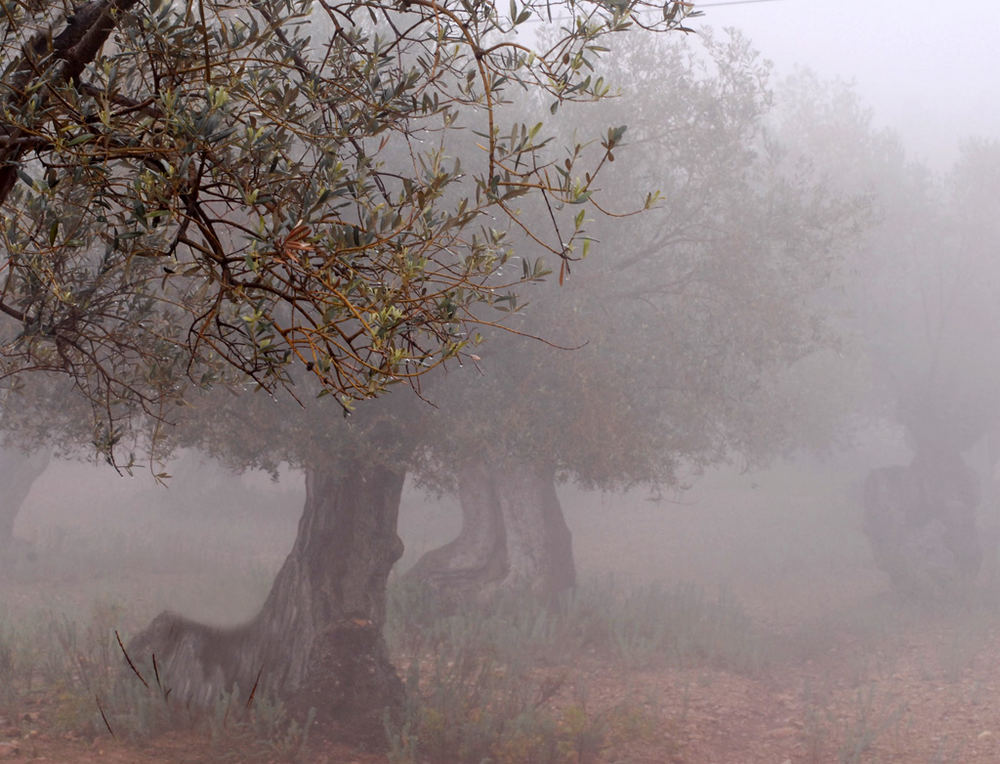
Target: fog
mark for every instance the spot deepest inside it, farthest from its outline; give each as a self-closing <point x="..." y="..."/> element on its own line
<point x="774" y="442"/>
<point x="922" y="66"/>
<point x="786" y="541"/>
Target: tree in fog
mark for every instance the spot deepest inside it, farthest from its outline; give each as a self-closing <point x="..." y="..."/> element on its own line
<point x="40" y="418"/>
<point x="680" y="334"/>
<point x="18" y="471"/>
<point x="265" y="196"/>
<point x="900" y="350"/>
<point x="931" y="317"/>
<point x="915" y="309"/>
<point x="184" y="191"/>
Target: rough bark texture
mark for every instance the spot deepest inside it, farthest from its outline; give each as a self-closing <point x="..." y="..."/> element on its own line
<point x="317" y="641"/>
<point x="921" y="522"/>
<point x="513" y="536"/>
<point x="18" y="472"/>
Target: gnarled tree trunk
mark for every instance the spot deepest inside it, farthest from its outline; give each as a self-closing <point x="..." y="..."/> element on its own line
<point x="513" y="536"/>
<point x="317" y="642"/>
<point x="921" y="522"/>
<point x="18" y="472"/>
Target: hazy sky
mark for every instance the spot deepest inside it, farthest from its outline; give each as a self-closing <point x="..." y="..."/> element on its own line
<point x="929" y="68"/>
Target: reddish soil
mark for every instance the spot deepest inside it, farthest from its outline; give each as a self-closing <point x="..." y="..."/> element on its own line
<point x="854" y="676"/>
<point x="901" y="690"/>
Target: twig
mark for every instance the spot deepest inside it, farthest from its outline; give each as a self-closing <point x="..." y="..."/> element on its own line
<point x="129" y="660"/>
<point x="253" y="690"/>
<point x="104" y="716"/>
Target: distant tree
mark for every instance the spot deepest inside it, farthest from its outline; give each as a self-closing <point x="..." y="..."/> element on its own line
<point x="910" y="308"/>
<point x="40" y="418"/>
<point x="267" y="195"/>
<point x="680" y="334"/>
<point x="18" y="472"/>
<point x="932" y="313"/>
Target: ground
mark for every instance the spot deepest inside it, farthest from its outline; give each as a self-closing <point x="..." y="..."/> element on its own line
<point x="783" y="641"/>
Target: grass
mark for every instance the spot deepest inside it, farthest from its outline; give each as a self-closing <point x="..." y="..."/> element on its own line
<point x="638" y="628"/>
<point x="494" y="684"/>
<point x="498" y="684"/>
<point x="779" y="593"/>
<point x="73" y="673"/>
<point x="467" y="708"/>
<point x="850" y="734"/>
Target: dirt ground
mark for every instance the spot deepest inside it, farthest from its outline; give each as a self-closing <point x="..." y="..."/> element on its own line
<point x="923" y="694"/>
<point x="856" y="675"/>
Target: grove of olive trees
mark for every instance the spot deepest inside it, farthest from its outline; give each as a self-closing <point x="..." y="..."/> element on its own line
<point x="208" y="197"/>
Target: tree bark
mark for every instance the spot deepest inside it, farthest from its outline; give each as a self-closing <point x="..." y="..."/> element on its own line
<point x="317" y="642"/>
<point x="18" y="472"/>
<point x="921" y="522"/>
<point x="513" y="535"/>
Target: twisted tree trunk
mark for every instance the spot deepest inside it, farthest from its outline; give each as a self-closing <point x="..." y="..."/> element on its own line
<point x="921" y="522"/>
<point x="513" y="535"/>
<point x="317" y="641"/>
<point x="18" y="472"/>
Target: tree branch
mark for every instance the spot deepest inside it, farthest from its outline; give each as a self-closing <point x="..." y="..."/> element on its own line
<point x="75" y="47"/>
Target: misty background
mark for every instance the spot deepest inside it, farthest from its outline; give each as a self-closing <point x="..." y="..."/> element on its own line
<point x="784" y="535"/>
<point x="924" y="67"/>
<point x="924" y="70"/>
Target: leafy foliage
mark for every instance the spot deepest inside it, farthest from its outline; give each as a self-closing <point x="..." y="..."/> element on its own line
<point x="194" y="188"/>
<point x="680" y="329"/>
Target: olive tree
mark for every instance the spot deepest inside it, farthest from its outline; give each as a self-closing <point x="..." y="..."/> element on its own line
<point x="260" y="184"/>
<point x="932" y="334"/>
<point x="679" y="333"/>
<point x="916" y="309"/>
<point x="268" y="195"/>
<point x="18" y="471"/>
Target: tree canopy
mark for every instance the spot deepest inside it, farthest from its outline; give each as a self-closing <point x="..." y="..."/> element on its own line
<point x="193" y="189"/>
<point x="682" y="326"/>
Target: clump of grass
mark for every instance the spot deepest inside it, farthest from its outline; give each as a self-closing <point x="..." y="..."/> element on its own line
<point x="488" y="682"/>
<point x="851" y="738"/>
<point x="8" y="689"/>
<point x="475" y="710"/>
<point x="259" y="730"/>
<point x="240" y="726"/>
<point x="653" y="626"/>
<point x="640" y="628"/>
<point x="58" y="659"/>
<point x="81" y="670"/>
<point x="872" y="720"/>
